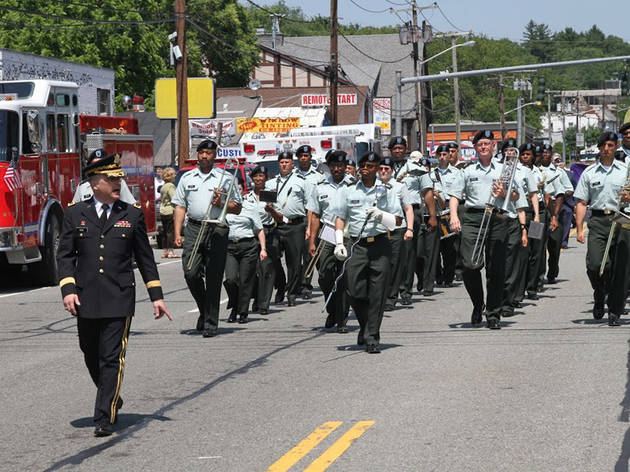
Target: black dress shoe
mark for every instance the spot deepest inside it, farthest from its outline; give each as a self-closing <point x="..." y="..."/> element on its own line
<point x="428" y="293"/>
<point x="264" y="311"/>
<point x="477" y="315"/>
<point x="516" y="304"/>
<point x="613" y="320"/>
<point x="458" y="277"/>
<point x="307" y="294"/>
<point x="342" y="329"/>
<point x="598" y="312"/>
<point x="291" y="301"/>
<point x="493" y="323"/>
<point x="551" y="280"/>
<point x="200" y="323"/>
<point x="279" y="297"/>
<point x="103" y="430"/>
<point x="232" y="317"/>
<point x="254" y="306"/>
<point x="209" y="333"/>
<point x="330" y="322"/>
<point x="373" y="349"/>
<point x="388" y="307"/>
<point x="242" y="319"/>
<point x="405" y="301"/>
<point x="532" y="296"/>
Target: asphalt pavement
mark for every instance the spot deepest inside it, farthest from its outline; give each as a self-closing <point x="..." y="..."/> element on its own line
<point x="548" y="392"/>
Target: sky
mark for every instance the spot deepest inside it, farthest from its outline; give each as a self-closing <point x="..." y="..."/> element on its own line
<point x="494" y="18"/>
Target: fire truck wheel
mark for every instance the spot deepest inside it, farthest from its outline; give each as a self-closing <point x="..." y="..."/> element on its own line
<point x="46" y="271"/>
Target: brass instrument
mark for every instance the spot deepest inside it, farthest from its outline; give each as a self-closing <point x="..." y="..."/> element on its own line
<point x="614" y="224"/>
<point x="443" y="214"/>
<point x="508" y="172"/>
<point x="310" y="268"/>
<point x="230" y="161"/>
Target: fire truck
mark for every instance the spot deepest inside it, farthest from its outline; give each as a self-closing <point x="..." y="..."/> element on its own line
<point x="44" y="140"/>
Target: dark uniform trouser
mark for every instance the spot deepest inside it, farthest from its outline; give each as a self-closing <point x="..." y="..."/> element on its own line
<point x="523" y="261"/>
<point x="104" y="343"/>
<point x="515" y="263"/>
<point x="240" y="271"/>
<point x="542" y="263"/>
<point x="266" y="270"/>
<point x="291" y="241"/>
<point x="422" y="255"/>
<point x="305" y="282"/>
<point x="367" y="278"/>
<point x="566" y="218"/>
<point x="495" y="253"/>
<point x="397" y="264"/>
<point x="614" y="281"/>
<point x="446" y="268"/>
<point x="537" y="254"/>
<point x="554" y="243"/>
<point x="209" y="265"/>
<point x="328" y="268"/>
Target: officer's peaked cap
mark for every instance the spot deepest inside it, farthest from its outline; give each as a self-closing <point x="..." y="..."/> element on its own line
<point x="108" y="165"/>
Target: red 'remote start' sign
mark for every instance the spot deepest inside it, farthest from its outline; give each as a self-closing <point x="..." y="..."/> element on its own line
<point x="322" y="100"/>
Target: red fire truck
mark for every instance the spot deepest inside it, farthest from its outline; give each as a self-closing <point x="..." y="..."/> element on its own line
<point x="44" y="140"/>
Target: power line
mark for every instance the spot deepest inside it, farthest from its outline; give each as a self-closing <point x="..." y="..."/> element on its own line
<point x="399" y="4"/>
<point x="85" y="20"/>
<point x="370" y="57"/>
<point x="446" y="18"/>
<point x="286" y="18"/>
<point x="368" y="10"/>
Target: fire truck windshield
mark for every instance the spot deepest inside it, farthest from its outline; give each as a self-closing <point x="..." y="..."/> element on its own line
<point x="9" y="134"/>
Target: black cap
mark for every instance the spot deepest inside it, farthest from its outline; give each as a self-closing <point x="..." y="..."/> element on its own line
<point x="441" y="148"/>
<point x="258" y="170"/>
<point x="538" y="149"/>
<point x="508" y="143"/>
<point x="387" y="161"/>
<point x="624" y="127"/>
<point x="397" y="140"/>
<point x="304" y="149"/>
<point x="547" y="147"/>
<point x="369" y="157"/>
<point x="484" y="134"/>
<point x="452" y="145"/>
<point x="96" y="154"/>
<point x="607" y="136"/>
<point x="285" y="155"/>
<point x="108" y="165"/>
<point x="526" y="147"/>
<point x="350" y="162"/>
<point x="336" y="156"/>
<point x="206" y="144"/>
<point x="424" y="162"/>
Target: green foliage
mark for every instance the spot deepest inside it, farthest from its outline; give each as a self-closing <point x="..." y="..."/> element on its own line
<point x="591" y="135"/>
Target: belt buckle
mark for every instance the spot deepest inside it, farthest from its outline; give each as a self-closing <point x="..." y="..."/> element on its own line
<point x="369" y="239"/>
<point x="607" y="212"/>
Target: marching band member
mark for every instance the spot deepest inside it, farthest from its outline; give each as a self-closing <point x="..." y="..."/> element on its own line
<point x="479" y="181"/>
<point x="371" y="209"/>
<point x="321" y="206"/>
<point x="243" y="254"/>
<point x="197" y="190"/>
<point x="603" y="187"/>
<point x="624" y="131"/>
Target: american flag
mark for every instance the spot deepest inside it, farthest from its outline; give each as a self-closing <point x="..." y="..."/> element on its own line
<point x="12" y="178"/>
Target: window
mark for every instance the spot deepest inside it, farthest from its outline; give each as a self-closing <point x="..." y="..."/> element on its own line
<point x="27" y="146"/>
<point x="62" y="100"/>
<point x="22" y="89"/>
<point x="63" y="134"/>
<point x="102" y="96"/>
<point x="9" y="134"/>
<point x="51" y="135"/>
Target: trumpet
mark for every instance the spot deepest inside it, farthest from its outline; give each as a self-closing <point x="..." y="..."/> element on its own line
<point x="613" y="226"/>
<point x="230" y="161"/>
<point x="508" y="172"/>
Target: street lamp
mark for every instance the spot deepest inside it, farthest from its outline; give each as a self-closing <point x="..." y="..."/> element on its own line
<point x="399" y="84"/>
<point x="520" y="122"/>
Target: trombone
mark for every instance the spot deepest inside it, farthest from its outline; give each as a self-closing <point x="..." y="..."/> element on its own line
<point x="229" y="162"/>
<point x="508" y="172"/>
<point x="613" y="226"/>
<point x="310" y="268"/>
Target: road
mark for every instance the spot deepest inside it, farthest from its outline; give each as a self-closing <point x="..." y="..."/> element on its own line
<point x="550" y="391"/>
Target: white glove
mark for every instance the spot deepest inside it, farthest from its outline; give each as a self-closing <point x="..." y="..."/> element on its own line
<point x="375" y="213"/>
<point x="339" y="236"/>
<point x="388" y="220"/>
<point x="340" y="252"/>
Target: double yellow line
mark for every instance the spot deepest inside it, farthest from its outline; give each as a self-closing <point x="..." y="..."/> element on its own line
<point x="329" y="456"/>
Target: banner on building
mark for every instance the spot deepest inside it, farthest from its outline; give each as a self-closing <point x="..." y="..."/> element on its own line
<point x="323" y="100"/>
<point x="266" y="125"/>
<point x="382" y="114"/>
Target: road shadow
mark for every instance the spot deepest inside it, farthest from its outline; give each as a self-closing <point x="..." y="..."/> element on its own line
<point x="590" y="321"/>
<point x="124" y="421"/>
<point x="357" y="348"/>
<point x="504" y="324"/>
<point x="220" y="331"/>
<point x="624" y="416"/>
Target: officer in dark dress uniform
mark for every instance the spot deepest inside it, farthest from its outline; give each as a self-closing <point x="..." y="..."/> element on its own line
<point x="99" y="239"/>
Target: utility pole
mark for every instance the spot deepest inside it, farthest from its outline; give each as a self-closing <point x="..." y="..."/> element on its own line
<point x="456" y="93"/>
<point x="564" y="144"/>
<point x="519" y="120"/>
<point x="417" y="90"/>
<point x="181" y="77"/>
<point x="334" y="62"/>
<point x="275" y="29"/>
<point x="549" y="116"/>
<point x="502" y="107"/>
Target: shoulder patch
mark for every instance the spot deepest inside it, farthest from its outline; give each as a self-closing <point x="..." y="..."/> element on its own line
<point x="137" y="205"/>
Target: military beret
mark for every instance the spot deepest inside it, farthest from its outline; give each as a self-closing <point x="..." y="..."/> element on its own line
<point x="538" y="149"/>
<point x="484" y="134"/>
<point x="258" y="170"/>
<point x="441" y="148"/>
<point x="108" y="165"/>
<point x="607" y="136"/>
<point x="305" y="149"/>
<point x="624" y="127"/>
<point x="547" y="147"/>
<point x="336" y="156"/>
<point x="370" y="157"/>
<point x="397" y="140"/>
<point x="285" y="155"/>
<point x="526" y="147"/>
<point x="452" y="145"/>
<point x="424" y="162"/>
<point x="508" y="143"/>
<point x="387" y="161"/>
<point x="96" y="154"/>
<point x="206" y="144"/>
<point x="351" y="163"/>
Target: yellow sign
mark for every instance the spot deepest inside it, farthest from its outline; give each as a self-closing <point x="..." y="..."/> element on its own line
<point x="201" y="98"/>
<point x="627" y="118"/>
<point x="266" y="125"/>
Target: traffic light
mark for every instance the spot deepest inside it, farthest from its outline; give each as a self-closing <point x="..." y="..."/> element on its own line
<point x="540" y="91"/>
